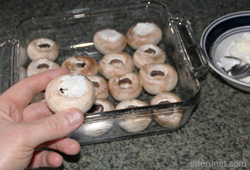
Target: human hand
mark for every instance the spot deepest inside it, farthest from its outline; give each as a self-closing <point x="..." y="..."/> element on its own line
<point x="26" y="127"/>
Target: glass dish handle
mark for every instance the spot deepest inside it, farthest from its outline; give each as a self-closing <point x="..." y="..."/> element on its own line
<point x="7" y="63"/>
<point x="194" y="57"/>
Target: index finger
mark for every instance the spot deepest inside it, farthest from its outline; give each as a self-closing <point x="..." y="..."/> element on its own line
<point x="22" y="92"/>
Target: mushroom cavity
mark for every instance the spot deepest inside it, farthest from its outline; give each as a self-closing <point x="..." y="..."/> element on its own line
<point x="124" y="82"/>
<point x="116" y="63"/>
<point x="44" y="45"/>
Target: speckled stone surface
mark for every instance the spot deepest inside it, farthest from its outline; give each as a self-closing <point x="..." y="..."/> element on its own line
<point x="219" y="129"/>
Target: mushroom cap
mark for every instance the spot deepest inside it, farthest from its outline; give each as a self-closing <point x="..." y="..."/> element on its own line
<point x="101" y="87"/>
<point x="131" y="103"/>
<point x="148" y="54"/>
<point x="115" y="64"/>
<point x="40" y="65"/>
<point x="143" y="33"/>
<point x="133" y="123"/>
<point x="70" y="90"/>
<point x="81" y="64"/>
<point x="125" y="87"/>
<point x="101" y="105"/>
<point x="172" y="116"/>
<point x="43" y="48"/>
<point x="165" y="97"/>
<point x="157" y="78"/>
<point x="109" y="41"/>
<point x="98" y="127"/>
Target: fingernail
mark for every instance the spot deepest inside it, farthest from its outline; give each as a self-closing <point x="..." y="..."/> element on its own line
<point x="74" y="117"/>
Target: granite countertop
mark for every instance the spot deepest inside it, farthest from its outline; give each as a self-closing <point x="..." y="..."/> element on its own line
<point x="217" y="132"/>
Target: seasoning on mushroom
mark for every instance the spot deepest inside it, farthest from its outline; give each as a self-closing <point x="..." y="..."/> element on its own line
<point x="81" y="64"/>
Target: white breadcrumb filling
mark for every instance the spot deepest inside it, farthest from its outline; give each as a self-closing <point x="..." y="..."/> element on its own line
<point x="227" y="63"/>
<point x="110" y="35"/>
<point x="144" y="28"/>
<point x="241" y="47"/>
<point x="73" y="86"/>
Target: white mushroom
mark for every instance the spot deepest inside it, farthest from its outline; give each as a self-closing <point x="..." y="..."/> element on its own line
<point x="149" y="54"/>
<point x="171" y="117"/>
<point x="70" y="91"/>
<point x="43" y="48"/>
<point x="41" y="65"/>
<point x="109" y="40"/>
<point x="133" y="123"/>
<point x="98" y="127"/>
<point x="143" y="33"/>
<point x="81" y="64"/>
<point x="125" y="87"/>
<point x="115" y="64"/>
<point x="101" y="87"/>
<point x="157" y="78"/>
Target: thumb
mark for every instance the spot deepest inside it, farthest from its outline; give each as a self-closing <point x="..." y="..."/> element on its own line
<point x="56" y="126"/>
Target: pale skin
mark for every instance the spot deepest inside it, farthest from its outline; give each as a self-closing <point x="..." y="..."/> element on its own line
<point x="27" y="127"/>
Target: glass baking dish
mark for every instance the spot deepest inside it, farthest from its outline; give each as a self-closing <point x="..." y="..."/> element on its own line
<point x="74" y="31"/>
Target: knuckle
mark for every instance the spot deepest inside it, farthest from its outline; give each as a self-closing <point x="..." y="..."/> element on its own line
<point x="55" y="125"/>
